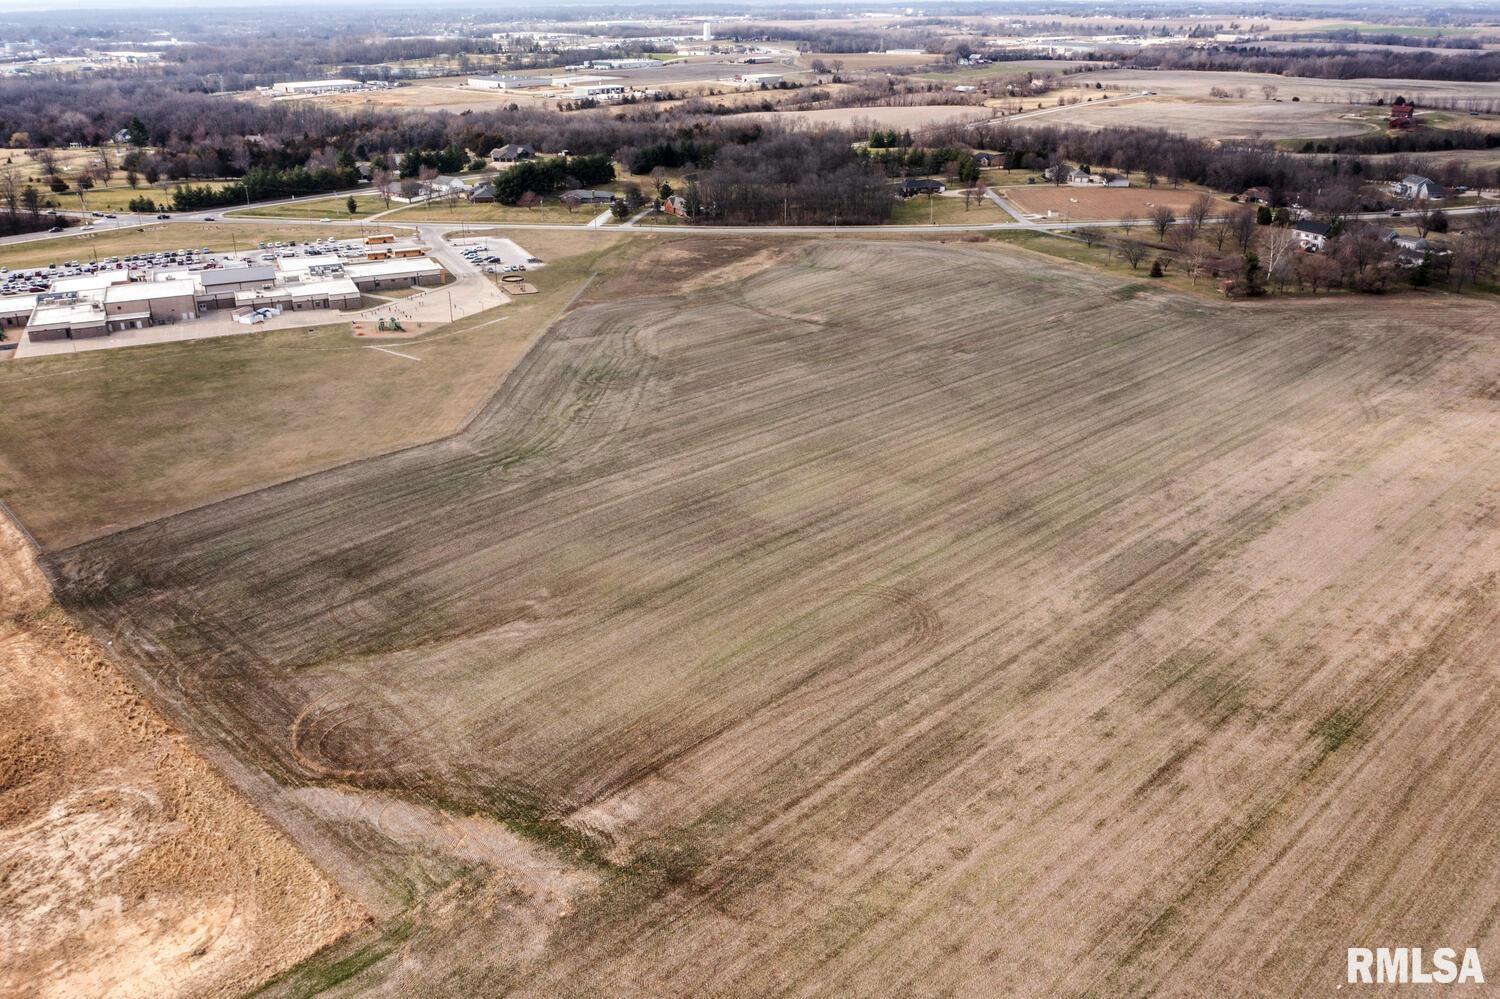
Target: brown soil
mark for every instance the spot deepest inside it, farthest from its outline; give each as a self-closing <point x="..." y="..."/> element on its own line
<point x="895" y="619"/>
<point x="1102" y="202"/>
<point x="127" y="865"/>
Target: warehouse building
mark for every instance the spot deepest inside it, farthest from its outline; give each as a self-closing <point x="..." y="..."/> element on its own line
<point x="306" y="87"/>
<point x="510" y="82"/>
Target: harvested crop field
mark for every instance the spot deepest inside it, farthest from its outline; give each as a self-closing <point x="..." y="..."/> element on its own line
<point x="881" y="117"/>
<point x="1218" y="119"/>
<point x="1195" y="83"/>
<point x="1101" y="202"/>
<point x="878" y="618"/>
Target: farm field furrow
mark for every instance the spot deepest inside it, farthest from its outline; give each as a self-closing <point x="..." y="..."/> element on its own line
<point x="862" y="620"/>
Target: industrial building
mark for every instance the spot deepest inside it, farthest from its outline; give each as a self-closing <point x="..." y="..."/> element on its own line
<point x="95" y="305"/>
<point x="510" y="82"/>
<point x="306" y="87"/>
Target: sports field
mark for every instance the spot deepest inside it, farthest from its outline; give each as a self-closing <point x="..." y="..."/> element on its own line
<point x="875" y="618"/>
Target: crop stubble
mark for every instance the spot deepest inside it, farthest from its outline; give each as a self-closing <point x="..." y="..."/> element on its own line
<point x="899" y="619"/>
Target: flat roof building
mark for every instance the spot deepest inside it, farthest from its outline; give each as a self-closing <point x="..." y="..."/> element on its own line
<point x="66" y="315"/>
<point x="315" y="86"/>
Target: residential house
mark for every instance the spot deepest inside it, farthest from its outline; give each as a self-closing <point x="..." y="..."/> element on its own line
<point x="1418" y="188"/>
<point x="913" y="186"/>
<point x="583" y="197"/>
<point x="676" y="205"/>
<point x="483" y="193"/>
<point x="1312" y="236"/>
<point x="1078" y="177"/>
<point x="1412" y="250"/>
<point x="1256" y="196"/>
<point x="511" y="152"/>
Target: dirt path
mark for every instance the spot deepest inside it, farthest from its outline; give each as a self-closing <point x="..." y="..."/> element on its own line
<point x="127" y="866"/>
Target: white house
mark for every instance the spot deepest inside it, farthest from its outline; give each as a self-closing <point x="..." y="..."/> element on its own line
<point x="1418" y="188"/>
<point x="1312" y="236"/>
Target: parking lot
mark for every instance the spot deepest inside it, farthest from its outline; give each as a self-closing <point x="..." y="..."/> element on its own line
<point x="494" y="255"/>
<point x="35" y="280"/>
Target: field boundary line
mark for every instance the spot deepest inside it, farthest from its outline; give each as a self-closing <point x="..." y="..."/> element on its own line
<point x="21" y="527"/>
<point x="542" y="334"/>
<point x="342" y="466"/>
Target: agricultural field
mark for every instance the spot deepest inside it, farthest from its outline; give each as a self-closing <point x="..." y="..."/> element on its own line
<point x="859" y="613"/>
<point x="1220" y="119"/>
<point x="1193" y="84"/>
<point x="880" y="117"/>
<point x="1100" y="202"/>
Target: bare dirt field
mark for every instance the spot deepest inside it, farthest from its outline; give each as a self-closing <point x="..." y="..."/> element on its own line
<point x="127" y="865"/>
<point x="1220" y="119"/>
<point x="877" y="618"/>
<point x="1101" y="202"/>
<point x="880" y="117"/>
<point x="452" y="97"/>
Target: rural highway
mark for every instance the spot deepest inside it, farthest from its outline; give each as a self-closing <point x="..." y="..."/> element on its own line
<point x="433" y="230"/>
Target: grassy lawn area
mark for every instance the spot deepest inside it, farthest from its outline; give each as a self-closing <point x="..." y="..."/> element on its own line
<point x="116" y="197"/>
<point x="318" y="208"/>
<point x="302" y="401"/>
<point x="118" y="242"/>
<point x="946" y="210"/>
<point x="463" y="211"/>
<point x="1103" y="257"/>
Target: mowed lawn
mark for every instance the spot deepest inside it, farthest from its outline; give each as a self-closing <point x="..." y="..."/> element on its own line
<point x="947" y="209"/>
<point x="871" y="617"/>
<point x="365" y="205"/>
<point x="173" y="426"/>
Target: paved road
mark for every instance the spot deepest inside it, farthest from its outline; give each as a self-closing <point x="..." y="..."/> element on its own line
<point x="433" y="231"/>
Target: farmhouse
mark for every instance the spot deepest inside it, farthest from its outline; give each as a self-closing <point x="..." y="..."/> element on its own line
<point x="1418" y="188"/>
<point x="914" y="186"/>
<point x="511" y="152"/>
<point x="1312" y="236"/>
